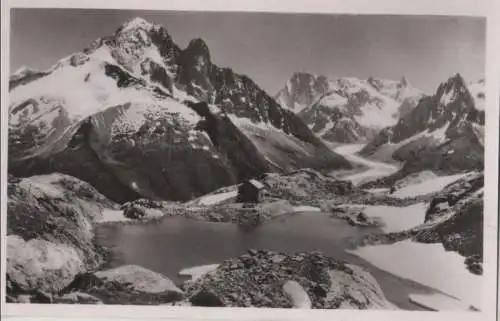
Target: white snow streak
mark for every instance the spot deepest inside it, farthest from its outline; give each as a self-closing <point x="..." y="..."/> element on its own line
<point x="426" y="187"/>
<point x="376" y="169"/>
<point x="197" y="272"/>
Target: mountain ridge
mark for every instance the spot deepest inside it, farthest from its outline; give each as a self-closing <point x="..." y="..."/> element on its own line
<point x="136" y="91"/>
<point x="444" y="133"/>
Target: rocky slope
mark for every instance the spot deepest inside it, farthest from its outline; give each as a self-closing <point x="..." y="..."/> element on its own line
<point x="136" y="116"/>
<point x="444" y="133"/>
<point x="262" y="279"/>
<point x="348" y="109"/>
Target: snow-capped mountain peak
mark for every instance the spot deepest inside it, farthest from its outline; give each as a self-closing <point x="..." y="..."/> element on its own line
<point x="347" y="109"/>
<point x="135" y="24"/>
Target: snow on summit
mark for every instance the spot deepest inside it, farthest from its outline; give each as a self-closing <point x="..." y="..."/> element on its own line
<point x="136" y="23"/>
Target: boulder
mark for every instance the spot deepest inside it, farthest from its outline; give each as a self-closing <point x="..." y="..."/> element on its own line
<point x="129" y="284"/>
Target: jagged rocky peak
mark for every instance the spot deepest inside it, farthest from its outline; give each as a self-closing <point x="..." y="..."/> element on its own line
<point x="197" y="55"/>
<point x="302" y="82"/>
<point x="301" y="90"/>
<point x="404" y="82"/>
<point x="198" y="46"/>
<point x="451" y="90"/>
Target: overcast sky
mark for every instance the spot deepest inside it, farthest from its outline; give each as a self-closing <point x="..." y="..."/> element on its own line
<point x="271" y="47"/>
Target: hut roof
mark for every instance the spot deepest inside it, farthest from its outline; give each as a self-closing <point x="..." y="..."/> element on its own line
<point x="256" y="184"/>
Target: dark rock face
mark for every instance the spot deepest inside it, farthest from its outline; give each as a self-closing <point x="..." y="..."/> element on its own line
<point x="443" y="133"/>
<point x="78" y="160"/>
<point x="177" y="137"/>
<point x="256" y="279"/>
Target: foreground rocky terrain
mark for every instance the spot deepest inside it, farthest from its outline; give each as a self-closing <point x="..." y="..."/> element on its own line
<point x="55" y="258"/>
<point x="259" y="279"/>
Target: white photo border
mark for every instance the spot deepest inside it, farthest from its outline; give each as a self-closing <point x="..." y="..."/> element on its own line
<point x="489" y="9"/>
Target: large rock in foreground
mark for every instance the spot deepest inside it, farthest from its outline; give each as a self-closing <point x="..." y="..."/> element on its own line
<point x="49" y="232"/>
<point x="259" y="279"/>
<point x="128" y="284"/>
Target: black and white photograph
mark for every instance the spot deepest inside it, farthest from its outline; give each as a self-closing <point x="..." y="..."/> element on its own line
<point x="245" y="160"/>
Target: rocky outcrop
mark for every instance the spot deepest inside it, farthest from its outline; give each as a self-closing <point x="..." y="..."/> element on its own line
<point x="257" y="279"/>
<point x="305" y="186"/>
<point x="353" y="215"/>
<point x="49" y="233"/>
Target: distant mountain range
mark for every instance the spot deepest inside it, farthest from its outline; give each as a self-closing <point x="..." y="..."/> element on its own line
<point x="444" y="132"/>
<point x="137" y="116"/>
<point x="346" y="109"/>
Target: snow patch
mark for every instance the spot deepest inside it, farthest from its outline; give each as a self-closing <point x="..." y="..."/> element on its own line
<point x="109" y="216"/>
<point x="198" y="271"/>
<point x="426" y="187"/>
<point x="216" y="198"/>
<point x="398" y="218"/>
<point x="439" y="302"/>
<point x="306" y="208"/>
<point x="444" y="271"/>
